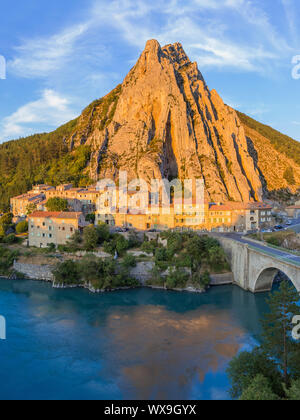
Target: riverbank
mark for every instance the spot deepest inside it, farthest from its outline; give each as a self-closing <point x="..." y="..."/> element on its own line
<point x="171" y="261"/>
<point x="45" y="273"/>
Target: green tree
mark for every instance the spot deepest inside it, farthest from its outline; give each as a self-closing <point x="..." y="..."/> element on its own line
<point x="57" y="204"/>
<point x="149" y="247"/>
<point x="90" y="218"/>
<point x="277" y="328"/>
<point x="259" y="390"/>
<point x="90" y="238"/>
<point x="103" y="232"/>
<point x="5" y="222"/>
<point x="129" y="261"/>
<point x="67" y="273"/>
<point x="293" y="393"/>
<point x="245" y="367"/>
<point x="30" y="208"/>
<point x="22" y="227"/>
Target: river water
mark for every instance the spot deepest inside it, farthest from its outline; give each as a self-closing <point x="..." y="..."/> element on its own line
<point x="136" y="344"/>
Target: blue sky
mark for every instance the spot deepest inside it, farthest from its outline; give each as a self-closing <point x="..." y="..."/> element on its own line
<point x="61" y="55"/>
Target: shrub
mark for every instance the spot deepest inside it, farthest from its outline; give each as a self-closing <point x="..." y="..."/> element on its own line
<point x="103" y="232"/>
<point x="22" y="227"/>
<point x="10" y="239"/>
<point x="57" y="204"/>
<point x="177" y="279"/>
<point x="149" y="247"/>
<point x="7" y="258"/>
<point x="90" y="238"/>
<point x="67" y="273"/>
<point x="274" y="241"/>
<point x="90" y="218"/>
<point x="129" y="261"/>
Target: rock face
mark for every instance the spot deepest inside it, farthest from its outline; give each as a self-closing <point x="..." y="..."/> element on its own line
<point x="164" y="122"/>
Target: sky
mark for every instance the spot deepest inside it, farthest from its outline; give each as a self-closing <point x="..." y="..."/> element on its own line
<point x="61" y="55"/>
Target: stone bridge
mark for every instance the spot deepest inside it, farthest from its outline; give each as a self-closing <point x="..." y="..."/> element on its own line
<point x="255" y="266"/>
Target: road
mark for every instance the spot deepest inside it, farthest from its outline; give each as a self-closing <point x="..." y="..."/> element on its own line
<point x="273" y="252"/>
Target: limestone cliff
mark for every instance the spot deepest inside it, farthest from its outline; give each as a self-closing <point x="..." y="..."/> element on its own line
<point x="163" y="121"/>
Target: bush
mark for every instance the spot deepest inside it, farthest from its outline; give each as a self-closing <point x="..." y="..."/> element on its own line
<point x="201" y="281"/>
<point x="90" y="238"/>
<point x="7" y="258"/>
<point x="96" y="272"/>
<point x="67" y="273"/>
<point x="57" y="204"/>
<point x="259" y="390"/>
<point x="5" y="222"/>
<point x="149" y="247"/>
<point x="90" y="218"/>
<point x="274" y="241"/>
<point x="118" y="243"/>
<point x="22" y="227"/>
<point x="10" y="239"/>
<point x="129" y="261"/>
<point x="245" y="367"/>
<point x="177" y="279"/>
<point x="103" y="232"/>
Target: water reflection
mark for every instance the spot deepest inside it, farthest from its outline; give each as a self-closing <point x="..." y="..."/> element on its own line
<point x="141" y="344"/>
<point x="161" y="354"/>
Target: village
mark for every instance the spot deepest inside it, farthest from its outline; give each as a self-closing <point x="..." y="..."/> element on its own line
<point x="79" y="207"/>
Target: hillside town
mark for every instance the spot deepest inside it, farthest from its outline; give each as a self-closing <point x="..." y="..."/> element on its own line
<point x="46" y="227"/>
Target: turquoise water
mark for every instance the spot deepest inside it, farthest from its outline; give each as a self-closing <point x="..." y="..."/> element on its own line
<point x="138" y="344"/>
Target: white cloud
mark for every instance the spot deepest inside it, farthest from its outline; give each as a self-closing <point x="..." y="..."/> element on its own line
<point x="291" y="17"/>
<point x="229" y="34"/>
<point x="51" y="110"/>
<point x="39" y="57"/>
<point x="210" y="37"/>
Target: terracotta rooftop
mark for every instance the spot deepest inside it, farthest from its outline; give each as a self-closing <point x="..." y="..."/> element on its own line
<point x="294" y="207"/>
<point x="231" y="206"/>
<point x="55" y="215"/>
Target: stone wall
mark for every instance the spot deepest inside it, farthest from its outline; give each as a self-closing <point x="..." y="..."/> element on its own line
<point x="34" y="272"/>
<point x="142" y="271"/>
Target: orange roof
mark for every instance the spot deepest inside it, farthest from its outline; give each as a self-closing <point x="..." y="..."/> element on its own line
<point x="231" y="206"/>
<point x="294" y="207"/>
<point x="55" y="215"/>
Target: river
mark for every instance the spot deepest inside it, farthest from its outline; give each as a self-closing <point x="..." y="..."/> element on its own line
<point x="136" y="344"/>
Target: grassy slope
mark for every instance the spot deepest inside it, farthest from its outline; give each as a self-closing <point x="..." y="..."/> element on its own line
<point x="282" y="143"/>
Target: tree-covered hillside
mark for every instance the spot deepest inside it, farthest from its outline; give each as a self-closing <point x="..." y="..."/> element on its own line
<point x="282" y="143"/>
<point x="41" y="158"/>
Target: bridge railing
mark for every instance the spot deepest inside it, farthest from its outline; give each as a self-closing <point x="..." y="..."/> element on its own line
<point x="271" y="254"/>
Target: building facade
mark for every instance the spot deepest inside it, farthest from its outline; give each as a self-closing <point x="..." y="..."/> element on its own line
<point x="227" y="217"/>
<point x="293" y="211"/>
<point x="46" y="228"/>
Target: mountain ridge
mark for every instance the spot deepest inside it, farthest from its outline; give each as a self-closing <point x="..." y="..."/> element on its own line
<point x="162" y="121"/>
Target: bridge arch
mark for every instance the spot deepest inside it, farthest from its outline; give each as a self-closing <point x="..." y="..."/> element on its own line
<point x="266" y="276"/>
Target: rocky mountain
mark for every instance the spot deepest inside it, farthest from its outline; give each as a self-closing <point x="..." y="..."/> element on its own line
<point x="161" y="122"/>
<point x="164" y="122"/>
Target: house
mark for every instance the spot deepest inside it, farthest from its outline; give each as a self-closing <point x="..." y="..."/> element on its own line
<point x="293" y="211"/>
<point x="56" y="228"/>
<point x="23" y="204"/>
